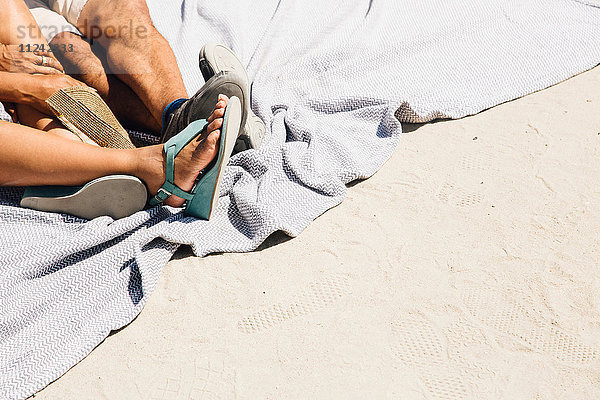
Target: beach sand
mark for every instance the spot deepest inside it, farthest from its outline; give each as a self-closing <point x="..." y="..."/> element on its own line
<point x="467" y="268"/>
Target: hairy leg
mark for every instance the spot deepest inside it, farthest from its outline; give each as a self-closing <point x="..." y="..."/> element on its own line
<point x="88" y="64"/>
<point x="135" y="50"/>
<point x="54" y="160"/>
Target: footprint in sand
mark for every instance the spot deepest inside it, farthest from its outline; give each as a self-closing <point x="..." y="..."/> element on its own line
<point x="420" y="346"/>
<point x="514" y="313"/>
<point x="453" y="194"/>
<point x="203" y="378"/>
<point x="478" y="161"/>
<point x="318" y="295"/>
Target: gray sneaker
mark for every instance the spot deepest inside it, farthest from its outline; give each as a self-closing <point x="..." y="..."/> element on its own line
<point x="216" y="58"/>
<point x="202" y="104"/>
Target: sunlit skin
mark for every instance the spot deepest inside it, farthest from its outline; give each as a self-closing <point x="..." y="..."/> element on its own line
<point x="48" y="154"/>
<point x="131" y="48"/>
<point x="17" y="84"/>
<point x="54" y="160"/>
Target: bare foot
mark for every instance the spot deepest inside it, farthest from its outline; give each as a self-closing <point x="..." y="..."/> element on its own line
<point x="196" y="156"/>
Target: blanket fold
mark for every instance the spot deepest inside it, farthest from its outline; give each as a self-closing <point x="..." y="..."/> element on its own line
<point x="330" y="80"/>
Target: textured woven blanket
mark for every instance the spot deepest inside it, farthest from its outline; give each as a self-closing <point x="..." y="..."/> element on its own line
<point x="331" y="80"/>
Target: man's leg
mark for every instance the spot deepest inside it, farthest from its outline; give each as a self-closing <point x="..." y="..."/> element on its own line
<point x="135" y="50"/>
<point x="89" y="65"/>
<point x="75" y="52"/>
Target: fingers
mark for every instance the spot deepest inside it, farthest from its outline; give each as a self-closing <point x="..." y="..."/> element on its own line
<point x="38" y="69"/>
<point x="12" y="111"/>
<point x="53" y="63"/>
<point x="29" y="62"/>
<point x="40" y="63"/>
<point x="47" y="60"/>
<point x="43" y="53"/>
<point x="39" y="54"/>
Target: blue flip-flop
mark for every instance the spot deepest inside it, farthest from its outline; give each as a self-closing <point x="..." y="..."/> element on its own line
<point x="202" y="200"/>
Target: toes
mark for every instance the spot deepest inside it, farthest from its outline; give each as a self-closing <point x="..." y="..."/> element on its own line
<point x="213" y="138"/>
<point x="215" y="125"/>
<point x="218" y="113"/>
<point x="221" y="104"/>
<point x="210" y="144"/>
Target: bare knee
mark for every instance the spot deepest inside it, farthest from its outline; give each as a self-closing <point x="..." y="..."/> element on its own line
<point x="115" y="20"/>
<point x="100" y="12"/>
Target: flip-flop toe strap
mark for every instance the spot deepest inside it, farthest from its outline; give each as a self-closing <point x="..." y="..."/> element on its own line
<point x="172" y="149"/>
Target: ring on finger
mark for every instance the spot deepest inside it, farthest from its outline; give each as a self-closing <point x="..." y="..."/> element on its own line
<point x="44" y="61"/>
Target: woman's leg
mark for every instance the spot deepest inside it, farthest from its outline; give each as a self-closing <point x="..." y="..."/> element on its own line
<point x="31" y="117"/>
<point x="30" y="158"/>
<point x="18" y="25"/>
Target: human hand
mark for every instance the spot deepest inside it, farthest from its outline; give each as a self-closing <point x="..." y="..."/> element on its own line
<point x="12" y="59"/>
<point x="41" y="87"/>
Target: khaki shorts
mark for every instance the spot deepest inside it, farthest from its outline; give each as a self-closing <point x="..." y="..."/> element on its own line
<point x="56" y="16"/>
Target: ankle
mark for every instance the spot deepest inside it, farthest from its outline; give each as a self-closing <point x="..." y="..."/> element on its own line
<point x="150" y="166"/>
<point x="169" y="110"/>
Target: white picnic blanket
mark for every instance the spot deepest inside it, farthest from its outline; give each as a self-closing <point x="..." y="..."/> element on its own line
<point x="331" y="79"/>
